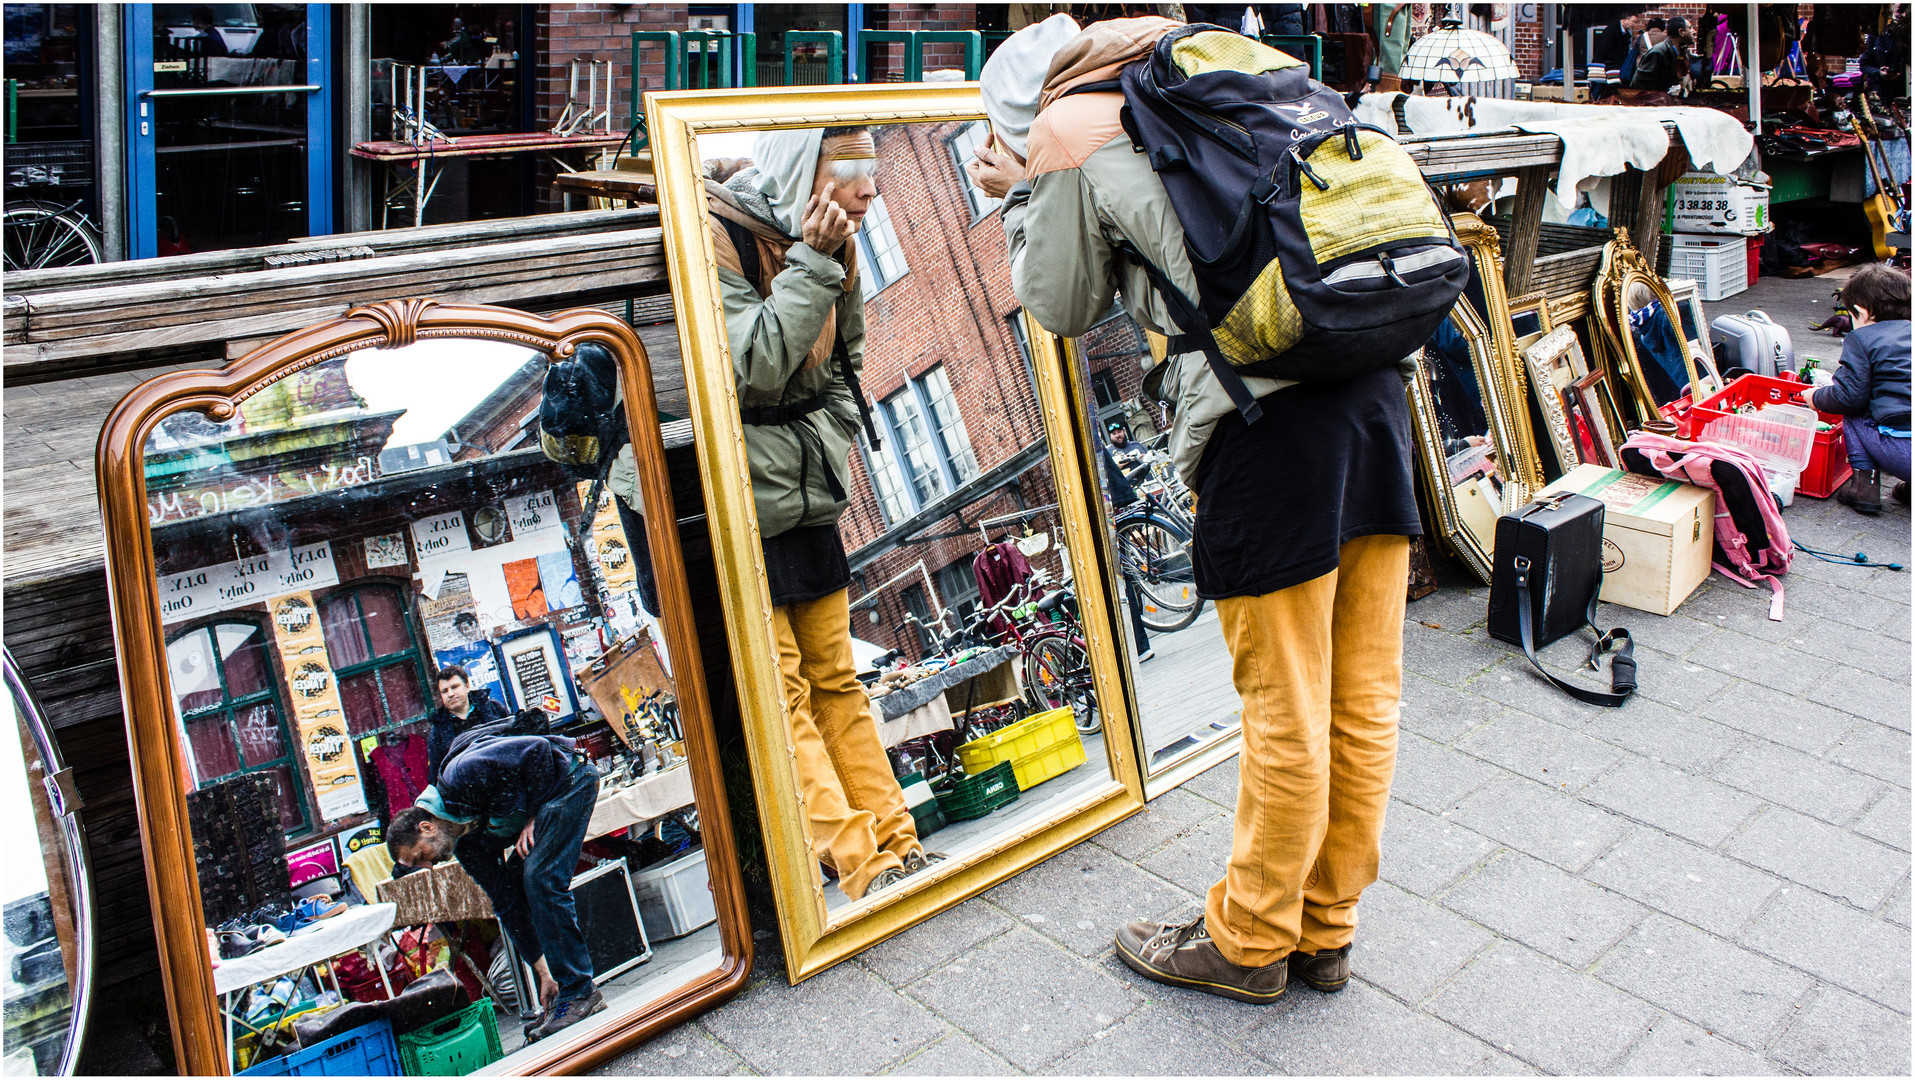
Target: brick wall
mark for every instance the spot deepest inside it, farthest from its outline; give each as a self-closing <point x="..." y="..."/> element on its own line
<point x="952" y="308"/>
<point x="890" y="59"/>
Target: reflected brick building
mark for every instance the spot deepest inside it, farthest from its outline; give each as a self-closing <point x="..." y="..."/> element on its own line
<point x="964" y="460"/>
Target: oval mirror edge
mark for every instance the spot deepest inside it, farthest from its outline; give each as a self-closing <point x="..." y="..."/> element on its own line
<point x="156" y="760"/>
<point x="78" y="860"/>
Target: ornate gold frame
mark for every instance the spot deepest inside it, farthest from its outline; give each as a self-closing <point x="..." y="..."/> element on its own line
<point x="1518" y="457"/>
<point x="1536" y="304"/>
<point x="815" y="939"/>
<point x="1540" y="360"/>
<point x="1622" y="274"/>
<point x="1517" y="490"/>
<point x="158" y="770"/>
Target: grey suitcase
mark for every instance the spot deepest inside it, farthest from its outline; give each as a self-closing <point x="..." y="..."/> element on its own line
<point x="1751" y="340"/>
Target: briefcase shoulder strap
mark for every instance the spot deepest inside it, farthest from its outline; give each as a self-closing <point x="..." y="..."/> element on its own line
<point x="1622" y="670"/>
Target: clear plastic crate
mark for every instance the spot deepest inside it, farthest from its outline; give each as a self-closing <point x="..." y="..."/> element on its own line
<point x="1780" y="435"/>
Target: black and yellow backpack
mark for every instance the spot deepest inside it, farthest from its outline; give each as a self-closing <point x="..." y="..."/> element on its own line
<point x="1320" y="252"/>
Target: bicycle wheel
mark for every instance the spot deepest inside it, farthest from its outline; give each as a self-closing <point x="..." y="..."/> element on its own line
<point x="38" y="236"/>
<point x="1155" y="556"/>
<point x="1057" y="673"/>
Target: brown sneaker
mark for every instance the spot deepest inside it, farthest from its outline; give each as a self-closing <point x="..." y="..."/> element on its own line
<point x="1326" y="971"/>
<point x="1184" y="955"/>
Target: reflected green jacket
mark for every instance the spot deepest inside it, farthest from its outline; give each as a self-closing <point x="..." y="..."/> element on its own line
<point x="782" y="350"/>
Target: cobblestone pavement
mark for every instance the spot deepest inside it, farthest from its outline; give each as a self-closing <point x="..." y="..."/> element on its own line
<point x="1713" y="879"/>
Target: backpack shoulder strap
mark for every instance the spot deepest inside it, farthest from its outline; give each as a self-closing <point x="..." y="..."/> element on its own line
<point x="746" y="245"/>
<point x="1196" y="336"/>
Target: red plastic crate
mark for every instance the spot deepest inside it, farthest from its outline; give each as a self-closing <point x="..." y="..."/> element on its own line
<point x="1828" y="466"/>
<point x="1755" y="259"/>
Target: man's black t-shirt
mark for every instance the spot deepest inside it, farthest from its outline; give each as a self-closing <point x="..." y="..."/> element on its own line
<point x="1326" y="464"/>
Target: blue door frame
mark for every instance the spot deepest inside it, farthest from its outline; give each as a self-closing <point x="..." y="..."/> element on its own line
<point x="142" y="134"/>
<point x="744" y="21"/>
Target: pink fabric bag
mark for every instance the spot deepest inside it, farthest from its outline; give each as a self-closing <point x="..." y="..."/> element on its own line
<point x="1752" y="544"/>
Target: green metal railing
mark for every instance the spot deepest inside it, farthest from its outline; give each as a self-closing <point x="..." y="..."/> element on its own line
<point x="693" y="59"/>
<point x="833" y="42"/>
<point x="914" y="42"/>
<point x="1307" y="47"/>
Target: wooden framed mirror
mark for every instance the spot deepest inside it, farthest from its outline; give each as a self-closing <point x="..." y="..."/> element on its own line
<point x="1554" y="362"/>
<point x="48" y="896"/>
<point x="1464" y="418"/>
<point x="301" y="547"/>
<point x="1644" y="347"/>
<point x="955" y="500"/>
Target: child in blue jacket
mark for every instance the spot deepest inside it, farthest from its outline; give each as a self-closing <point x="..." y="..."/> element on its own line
<point x="1871" y="387"/>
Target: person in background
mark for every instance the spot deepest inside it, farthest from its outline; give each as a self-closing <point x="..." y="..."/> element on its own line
<point x="1616" y="41"/>
<point x="529" y="795"/>
<point x="460" y="707"/>
<point x="1871" y="388"/>
<point x="1666" y="67"/>
<point x="1652" y="35"/>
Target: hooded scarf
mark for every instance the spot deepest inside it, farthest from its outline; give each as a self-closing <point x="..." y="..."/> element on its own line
<point x="768" y="198"/>
<point x="1013" y="78"/>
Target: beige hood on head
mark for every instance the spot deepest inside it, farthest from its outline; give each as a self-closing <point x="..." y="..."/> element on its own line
<point x="1101" y="52"/>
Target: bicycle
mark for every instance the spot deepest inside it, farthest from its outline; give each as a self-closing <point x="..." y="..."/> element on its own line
<point x="1153" y="556"/>
<point x="39" y="235"/>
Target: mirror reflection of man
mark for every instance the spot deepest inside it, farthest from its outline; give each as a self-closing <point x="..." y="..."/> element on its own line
<point x="530" y="796"/>
<point x="787" y="268"/>
<point x="461" y="707"/>
<point x="1306" y="566"/>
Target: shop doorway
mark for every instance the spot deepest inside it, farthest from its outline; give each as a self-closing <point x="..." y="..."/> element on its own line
<point x="229" y="125"/>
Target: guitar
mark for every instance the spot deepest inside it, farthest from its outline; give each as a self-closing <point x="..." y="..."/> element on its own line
<point x="1880" y="208"/>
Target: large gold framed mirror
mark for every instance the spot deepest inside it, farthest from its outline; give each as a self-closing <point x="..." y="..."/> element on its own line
<point x="1644" y="345"/>
<point x="1465" y="417"/>
<point x="343" y="572"/>
<point x="920" y="622"/>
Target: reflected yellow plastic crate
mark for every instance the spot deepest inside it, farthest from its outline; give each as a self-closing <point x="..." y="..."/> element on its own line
<point x="1039" y="748"/>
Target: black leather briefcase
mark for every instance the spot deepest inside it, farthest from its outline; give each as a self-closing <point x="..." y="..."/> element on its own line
<point x="1548" y="572"/>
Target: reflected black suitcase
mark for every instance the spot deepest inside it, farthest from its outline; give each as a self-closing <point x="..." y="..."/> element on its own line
<point x="1547" y="575"/>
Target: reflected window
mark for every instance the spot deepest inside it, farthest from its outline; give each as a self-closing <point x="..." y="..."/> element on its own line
<point x="370" y="643"/>
<point x="914" y="443"/>
<point x="963" y="146"/>
<point x="881" y="261"/>
<point x="887" y="482"/>
<point x="229" y="704"/>
<point x="956" y="442"/>
<point x="958" y="585"/>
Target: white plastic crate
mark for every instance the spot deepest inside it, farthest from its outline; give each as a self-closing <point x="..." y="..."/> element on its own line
<point x="1719" y="263"/>
<point x="674" y="899"/>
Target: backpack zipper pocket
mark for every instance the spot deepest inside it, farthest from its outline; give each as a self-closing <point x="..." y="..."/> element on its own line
<point x="1405" y="271"/>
